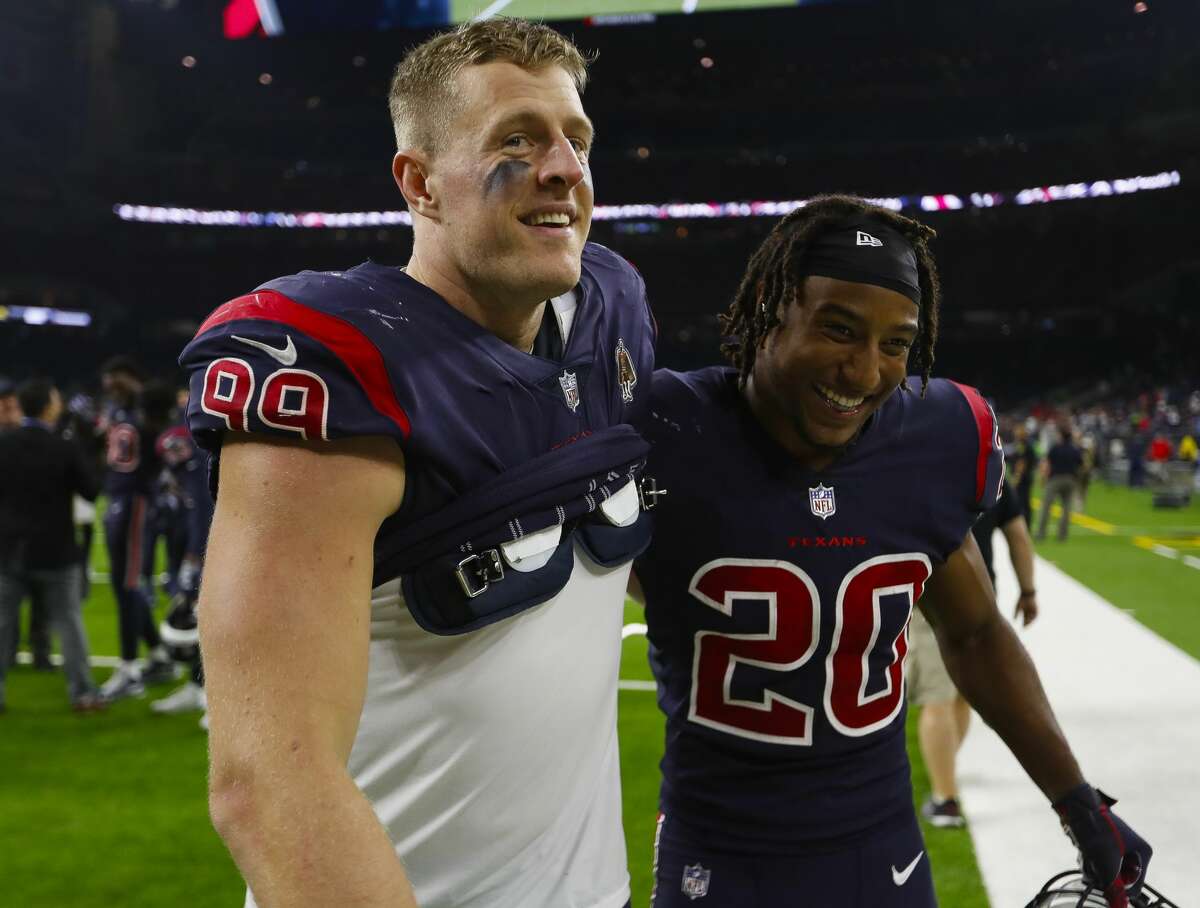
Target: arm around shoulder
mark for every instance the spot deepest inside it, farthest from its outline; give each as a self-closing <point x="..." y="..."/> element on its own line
<point x="284" y="625"/>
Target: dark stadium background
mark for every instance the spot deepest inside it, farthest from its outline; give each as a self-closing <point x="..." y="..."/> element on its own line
<point x="1088" y="301"/>
<point x="879" y="99"/>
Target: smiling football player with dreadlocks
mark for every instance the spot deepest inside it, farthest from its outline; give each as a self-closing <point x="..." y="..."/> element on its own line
<point x="817" y="495"/>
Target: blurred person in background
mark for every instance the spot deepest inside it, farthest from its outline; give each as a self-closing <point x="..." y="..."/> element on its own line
<point x="945" y="714"/>
<point x="129" y="483"/>
<point x="10" y="410"/>
<point x="79" y="426"/>
<point x="1137" y="449"/>
<point x="1087" y="447"/>
<point x="1022" y="467"/>
<point x="40" y="473"/>
<point x="1160" y="453"/>
<point x="39" y="632"/>
<point x="1060" y="470"/>
<point x="185" y="468"/>
<point x="1187" y="449"/>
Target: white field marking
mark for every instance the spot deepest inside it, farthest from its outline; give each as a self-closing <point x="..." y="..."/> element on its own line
<point x="636" y="685"/>
<point x="24" y="658"/>
<point x="635" y="630"/>
<point x="105" y="577"/>
<point x="1127" y="701"/>
<point x="689" y="6"/>
<point x="1165" y="550"/>
<point x="493" y="9"/>
<point x="1192" y="561"/>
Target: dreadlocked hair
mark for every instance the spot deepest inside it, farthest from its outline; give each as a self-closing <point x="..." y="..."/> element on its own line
<point x="775" y="275"/>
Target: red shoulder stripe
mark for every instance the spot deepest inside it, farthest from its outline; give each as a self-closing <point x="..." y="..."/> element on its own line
<point x="356" y="351"/>
<point x="983" y="422"/>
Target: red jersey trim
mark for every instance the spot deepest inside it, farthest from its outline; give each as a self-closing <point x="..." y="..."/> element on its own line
<point x="983" y="422"/>
<point x="355" y="350"/>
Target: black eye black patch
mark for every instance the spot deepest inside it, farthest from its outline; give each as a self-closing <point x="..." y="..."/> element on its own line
<point x="504" y="175"/>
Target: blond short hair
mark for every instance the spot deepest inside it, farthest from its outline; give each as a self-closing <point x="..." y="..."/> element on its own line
<point x="422" y="96"/>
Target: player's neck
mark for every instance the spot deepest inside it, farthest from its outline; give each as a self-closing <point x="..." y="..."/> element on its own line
<point x="515" y="322"/>
<point x="784" y="431"/>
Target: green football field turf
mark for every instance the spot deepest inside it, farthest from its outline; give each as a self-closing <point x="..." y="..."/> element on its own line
<point x="581" y="9"/>
<point x="110" y="809"/>
<point x="1109" y="550"/>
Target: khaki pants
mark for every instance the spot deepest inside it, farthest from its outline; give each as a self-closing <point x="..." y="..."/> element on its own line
<point x="924" y="671"/>
<point x="1063" y="488"/>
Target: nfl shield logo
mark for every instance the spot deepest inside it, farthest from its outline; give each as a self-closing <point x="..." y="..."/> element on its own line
<point x="822" y="502"/>
<point x="570" y="390"/>
<point x="695" y="881"/>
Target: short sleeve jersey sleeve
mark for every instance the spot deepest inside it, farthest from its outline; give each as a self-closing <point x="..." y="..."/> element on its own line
<point x="988" y="460"/>
<point x="266" y="364"/>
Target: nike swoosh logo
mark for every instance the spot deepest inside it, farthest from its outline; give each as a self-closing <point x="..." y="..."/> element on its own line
<point x="286" y="356"/>
<point x="900" y="877"/>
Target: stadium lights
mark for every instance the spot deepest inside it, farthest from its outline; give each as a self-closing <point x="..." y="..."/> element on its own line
<point x="42" y="315"/>
<point x="671" y="211"/>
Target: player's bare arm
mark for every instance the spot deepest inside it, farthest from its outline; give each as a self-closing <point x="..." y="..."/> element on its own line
<point x="1020" y="550"/>
<point x="994" y="672"/>
<point x="284" y="629"/>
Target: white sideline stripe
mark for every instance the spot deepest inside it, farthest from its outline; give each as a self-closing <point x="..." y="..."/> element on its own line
<point x="1128" y="701"/>
<point x="492" y="9"/>
<point x="105" y="577"/>
<point x="1164" y="550"/>
<point x="636" y="685"/>
<point x="24" y="658"/>
<point x="1192" y="561"/>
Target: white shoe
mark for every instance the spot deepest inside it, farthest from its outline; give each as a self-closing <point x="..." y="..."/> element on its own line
<point x="204" y="722"/>
<point x="122" y="683"/>
<point x="187" y="698"/>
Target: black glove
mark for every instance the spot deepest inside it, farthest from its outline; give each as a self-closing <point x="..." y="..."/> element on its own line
<point x="1114" y="857"/>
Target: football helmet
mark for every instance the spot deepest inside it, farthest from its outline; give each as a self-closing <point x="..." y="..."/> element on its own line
<point x="1070" y="889"/>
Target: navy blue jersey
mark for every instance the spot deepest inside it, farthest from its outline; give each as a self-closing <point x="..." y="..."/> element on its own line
<point x="370" y="351"/>
<point x="778" y="600"/>
<point x="188" y="467"/>
<point x="132" y="465"/>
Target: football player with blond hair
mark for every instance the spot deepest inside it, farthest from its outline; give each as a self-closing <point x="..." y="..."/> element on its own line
<point x="427" y="505"/>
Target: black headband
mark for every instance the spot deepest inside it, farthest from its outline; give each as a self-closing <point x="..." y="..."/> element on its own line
<point x="866" y="252"/>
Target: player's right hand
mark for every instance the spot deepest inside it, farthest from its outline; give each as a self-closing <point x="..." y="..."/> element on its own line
<point x="1027" y="608"/>
<point x="1114" y="857"/>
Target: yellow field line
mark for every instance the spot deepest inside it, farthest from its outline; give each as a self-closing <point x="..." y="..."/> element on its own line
<point x="1090" y="523"/>
<point x="1109" y="529"/>
<point x="1149" y="543"/>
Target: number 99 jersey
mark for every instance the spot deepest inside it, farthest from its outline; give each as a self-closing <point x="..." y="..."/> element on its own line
<point x="778" y="601"/>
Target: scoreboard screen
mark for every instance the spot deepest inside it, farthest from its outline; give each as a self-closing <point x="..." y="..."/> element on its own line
<point x="250" y="18"/>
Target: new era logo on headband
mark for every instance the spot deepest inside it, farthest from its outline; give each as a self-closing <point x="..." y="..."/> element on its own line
<point x="865" y="239"/>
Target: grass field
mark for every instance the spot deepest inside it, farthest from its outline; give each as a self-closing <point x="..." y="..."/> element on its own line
<point x="110" y="809"/>
<point x="1111" y="549"/>
<point x="461" y="10"/>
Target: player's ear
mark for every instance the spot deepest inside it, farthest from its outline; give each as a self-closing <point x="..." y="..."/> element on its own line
<point x="410" y="170"/>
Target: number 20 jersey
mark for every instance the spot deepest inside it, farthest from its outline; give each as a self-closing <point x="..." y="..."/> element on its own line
<point x="778" y="600"/>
